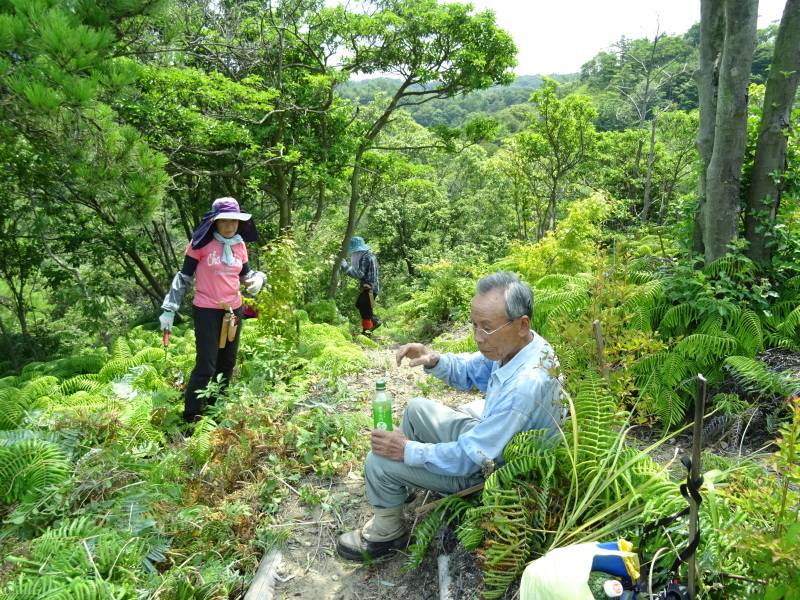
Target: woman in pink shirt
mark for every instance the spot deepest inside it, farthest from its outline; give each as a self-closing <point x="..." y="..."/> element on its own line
<point x="217" y="258"/>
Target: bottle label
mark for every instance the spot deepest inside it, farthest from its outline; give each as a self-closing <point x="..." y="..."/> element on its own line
<point x="382" y="417"/>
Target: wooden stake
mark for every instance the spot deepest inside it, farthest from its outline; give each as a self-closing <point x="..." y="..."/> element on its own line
<point x="601" y="359"/>
<point x="263" y="584"/>
<point x="697" y="447"/>
<point x="462" y="493"/>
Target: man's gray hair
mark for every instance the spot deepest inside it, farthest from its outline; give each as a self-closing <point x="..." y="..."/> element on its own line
<point x="518" y="294"/>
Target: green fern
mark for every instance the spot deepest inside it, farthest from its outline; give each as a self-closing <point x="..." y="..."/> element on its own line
<point x="643" y="298"/>
<point x="28" y="468"/>
<point x="199" y="445"/>
<point x="138" y="418"/>
<point x="738" y="265"/>
<point x="11" y="410"/>
<point x="121" y="349"/>
<point x="15" y="403"/>
<point x="84" y="382"/>
<point x="754" y="376"/>
<point x="708" y="348"/>
<point x="424" y="534"/>
<point x="17" y="381"/>
<point x="678" y="319"/>
<point x="83" y="558"/>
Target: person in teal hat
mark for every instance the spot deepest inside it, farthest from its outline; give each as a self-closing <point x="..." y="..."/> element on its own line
<point x="364" y="267"/>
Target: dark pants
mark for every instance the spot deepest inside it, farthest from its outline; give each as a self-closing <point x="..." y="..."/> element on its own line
<point x="363" y="304"/>
<point x="211" y="359"/>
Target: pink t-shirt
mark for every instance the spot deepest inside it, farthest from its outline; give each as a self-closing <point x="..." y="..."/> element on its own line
<point x="216" y="281"/>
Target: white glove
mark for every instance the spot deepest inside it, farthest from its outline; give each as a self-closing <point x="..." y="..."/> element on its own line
<point x="167" y="319"/>
<point x="344" y="264"/>
<point x="253" y="286"/>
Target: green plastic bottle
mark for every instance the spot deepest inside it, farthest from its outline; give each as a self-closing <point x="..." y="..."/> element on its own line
<point x="382" y="407"/>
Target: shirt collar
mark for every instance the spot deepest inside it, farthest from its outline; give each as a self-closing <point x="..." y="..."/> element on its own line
<point x="521" y="358"/>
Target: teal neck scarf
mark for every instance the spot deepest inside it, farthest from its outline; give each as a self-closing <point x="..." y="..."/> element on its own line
<point x="227" y="247"/>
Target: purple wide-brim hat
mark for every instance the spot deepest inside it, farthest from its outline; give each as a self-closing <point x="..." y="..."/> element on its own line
<point x="224" y="208"/>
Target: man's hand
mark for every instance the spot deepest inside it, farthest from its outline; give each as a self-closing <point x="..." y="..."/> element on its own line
<point x="344" y="264"/>
<point x="389" y="444"/>
<point x="417" y="355"/>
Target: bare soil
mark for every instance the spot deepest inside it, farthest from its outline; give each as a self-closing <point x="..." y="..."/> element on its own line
<point x="311" y="568"/>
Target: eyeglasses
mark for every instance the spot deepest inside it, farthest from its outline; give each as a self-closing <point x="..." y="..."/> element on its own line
<point x="476" y="329"/>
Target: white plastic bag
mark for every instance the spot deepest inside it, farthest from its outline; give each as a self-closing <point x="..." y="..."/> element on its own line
<point x="563" y="573"/>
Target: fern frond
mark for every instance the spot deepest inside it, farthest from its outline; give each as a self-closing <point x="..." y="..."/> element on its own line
<point x="594" y="414"/>
<point x="87" y="383"/>
<point x="641" y="319"/>
<point x="678" y="318"/>
<point x="534" y="442"/>
<point x="747" y="330"/>
<point x="711" y="324"/>
<point x="645" y="296"/>
<point x="733" y="264"/>
<point x="667" y="404"/>
<point x="791" y="322"/>
<point x="675" y="369"/>
<point x="150" y="356"/>
<point x="563" y="303"/>
<point x="11" y="410"/>
<point x="34" y="367"/>
<point x="560" y="282"/>
<point x="754" y="376"/>
<point x="199" y="445"/>
<point x="118" y="367"/>
<point x="705" y="348"/>
<point x="121" y="349"/>
<point x="138" y="417"/>
<point x="17" y="381"/>
<point x="424" y="534"/>
<point x="28" y="468"/>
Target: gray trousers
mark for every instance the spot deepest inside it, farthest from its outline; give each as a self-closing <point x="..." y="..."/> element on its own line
<point x="426" y="421"/>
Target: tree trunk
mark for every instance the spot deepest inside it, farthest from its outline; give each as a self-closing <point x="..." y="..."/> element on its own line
<point x="156" y="289"/>
<point x="9" y="347"/>
<point x="770" y="156"/>
<point x="23" y="325"/>
<point x="355" y="194"/>
<point x="722" y="211"/>
<point x="648" y="180"/>
<point x="712" y="38"/>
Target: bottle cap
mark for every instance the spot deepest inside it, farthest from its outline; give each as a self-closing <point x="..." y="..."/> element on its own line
<point x="380" y="386"/>
<point x="613" y="588"/>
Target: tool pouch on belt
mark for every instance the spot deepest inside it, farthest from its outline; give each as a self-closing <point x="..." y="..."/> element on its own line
<point x="368" y="288"/>
<point x="229" y="325"/>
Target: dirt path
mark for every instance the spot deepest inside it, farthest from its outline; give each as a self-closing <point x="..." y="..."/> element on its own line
<point x="311" y="568"/>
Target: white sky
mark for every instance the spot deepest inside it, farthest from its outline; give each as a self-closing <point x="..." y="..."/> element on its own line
<point x="558" y="36"/>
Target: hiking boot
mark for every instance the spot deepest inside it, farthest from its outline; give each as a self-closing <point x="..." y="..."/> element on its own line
<point x="353" y="546"/>
<point x="376" y="322"/>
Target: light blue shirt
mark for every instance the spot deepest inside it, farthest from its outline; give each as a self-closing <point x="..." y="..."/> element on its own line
<point x="521" y="395"/>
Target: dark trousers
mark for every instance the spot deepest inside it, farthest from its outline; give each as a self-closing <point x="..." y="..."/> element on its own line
<point x="211" y="359"/>
<point x="363" y="304"/>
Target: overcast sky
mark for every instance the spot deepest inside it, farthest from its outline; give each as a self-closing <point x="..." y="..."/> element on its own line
<point x="558" y="36"/>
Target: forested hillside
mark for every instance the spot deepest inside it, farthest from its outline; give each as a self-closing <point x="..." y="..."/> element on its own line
<point x="654" y="194"/>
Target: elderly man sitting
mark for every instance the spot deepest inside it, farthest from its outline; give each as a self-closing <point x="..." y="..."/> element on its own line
<point x="442" y="449"/>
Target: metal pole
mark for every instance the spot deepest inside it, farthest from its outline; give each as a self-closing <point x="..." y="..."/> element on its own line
<point x="697" y="443"/>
